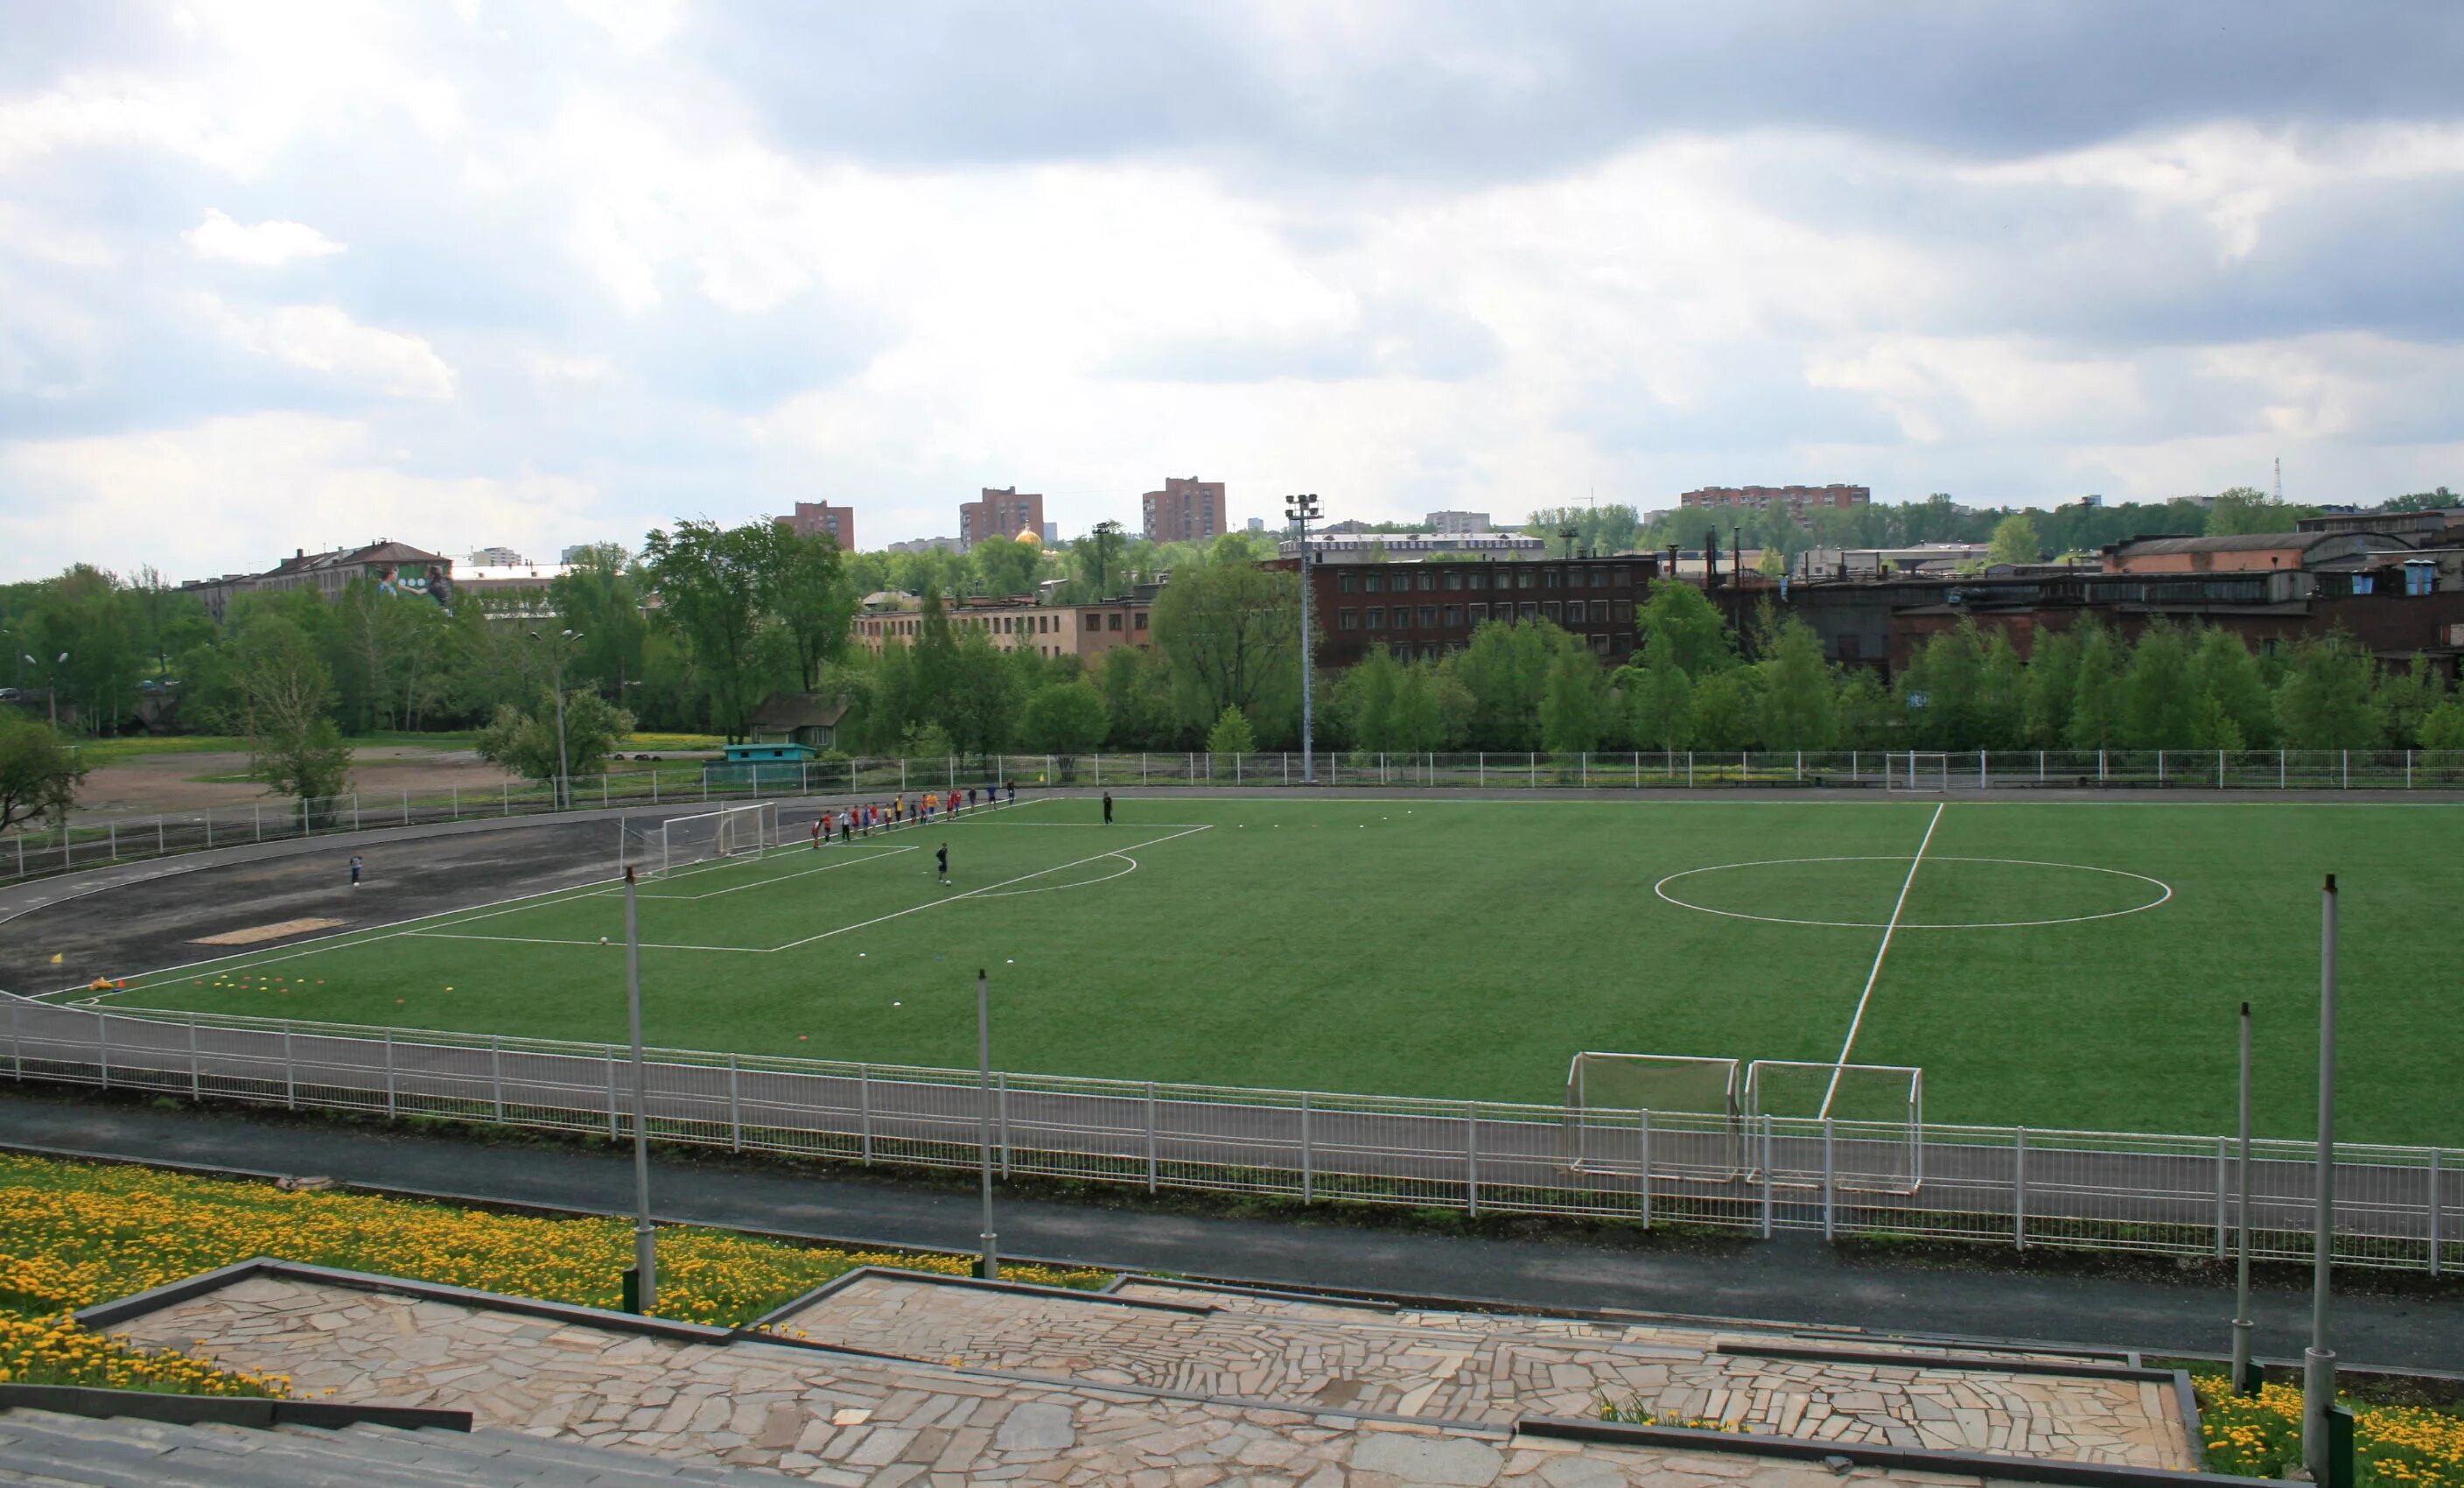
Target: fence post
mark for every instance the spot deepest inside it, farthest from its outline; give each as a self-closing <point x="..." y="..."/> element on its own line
<point x="497" y="1075"/>
<point x="1150" y="1137"/>
<point x="2280" y="769"/>
<point x="2159" y="767"/>
<point x="734" y="1110"/>
<point x="256" y="824"/>
<point x="2408" y="769"/>
<point x="1984" y="780"/>
<point x="1827" y="1133"/>
<point x="1000" y="1097"/>
<point x="1483" y="768"/>
<point x="2224" y="1166"/>
<point x="864" y="1106"/>
<point x="2019" y="1188"/>
<point x="1767" y="1177"/>
<point x="608" y="1057"/>
<point x="103" y="1047"/>
<point x="2347" y="755"/>
<point x="1471" y="1156"/>
<point x="2100" y="766"/>
<point x="389" y="1048"/>
<point x="196" y="1075"/>
<point x="1308" y="1167"/>
<point x="290" y="1073"/>
<point x="2436" y="1240"/>
<point x="2220" y="770"/>
<point x="1586" y="766"/>
<point x="17" y="1042"/>
<point x="1533" y="760"/>
<point x="406" y="808"/>
<point x="1642" y="1134"/>
<point x="111" y="840"/>
<point x="1689" y="769"/>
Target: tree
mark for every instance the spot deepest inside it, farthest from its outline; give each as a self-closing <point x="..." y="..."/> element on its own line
<point x="599" y="596"/>
<point x="1800" y="704"/>
<point x="284" y="691"/>
<point x="1660" y="702"/>
<point x="710" y="581"/>
<point x="1064" y="718"/>
<point x="981" y="706"/>
<point x="1099" y="557"/>
<point x="1573" y="703"/>
<point x="1365" y="701"/>
<point x="2014" y="541"/>
<point x="1006" y="565"/>
<point x="1231" y="634"/>
<point x="2245" y="509"/>
<point x="2326" y="702"/>
<point x="1679" y="618"/>
<point x="2226" y="680"/>
<point x="1505" y="671"/>
<point x="2444" y="727"/>
<point x="1231" y="734"/>
<point x="2096" y="701"/>
<point x="40" y="776"/>
<point x="2159" y="706"/>
<point x="1870" y="717"/>
<point x="1137" y="699"/>
<point x="527" y="745"/>
<point x="1724" y="705"/>
<point x="801" y="584"/>
<point x="2053" y="684"/>
<point x="2408" y="697"/>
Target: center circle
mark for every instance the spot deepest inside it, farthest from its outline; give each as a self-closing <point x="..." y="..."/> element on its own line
<point x="1807" y="875"/>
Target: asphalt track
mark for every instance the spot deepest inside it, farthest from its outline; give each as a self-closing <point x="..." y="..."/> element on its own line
<point x="1794" y="1278"/>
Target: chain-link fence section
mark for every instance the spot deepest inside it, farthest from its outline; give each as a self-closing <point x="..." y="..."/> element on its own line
<point x="2396" y="1208"/>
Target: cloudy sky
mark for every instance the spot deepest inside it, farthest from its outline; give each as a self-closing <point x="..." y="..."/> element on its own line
<point x="278" y="277"/>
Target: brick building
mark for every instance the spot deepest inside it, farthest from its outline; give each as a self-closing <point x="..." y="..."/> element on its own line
<point x="1799" y="500"/>
<point x="1186" y="511"/>
<point x="1425" y="611"/>
<point x="2251" y="552"/>
<point x="819" y="519"/>
<point x="1086" y="632"/>
<point x="999" y="513"/>
<point x="409" y="569"/>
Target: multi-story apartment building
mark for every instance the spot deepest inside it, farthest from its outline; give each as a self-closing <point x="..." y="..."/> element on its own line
<point x="1187" y="510"/>
<point x="999" y="513"/>
<point x="1799" y="500"/>
<point x="1459" y="522"/>
<point x="407" y="569"/>
<point x="1083" y="631"/>
<point x="819" y="519"/>
<point x="1424" y="611"/>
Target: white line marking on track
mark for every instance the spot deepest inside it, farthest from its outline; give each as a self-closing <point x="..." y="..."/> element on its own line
<point x="1874" y="975"/>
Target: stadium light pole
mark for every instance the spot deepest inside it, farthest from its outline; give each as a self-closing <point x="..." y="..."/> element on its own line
<point x="984" y="1117"/>
<point x="2245" y="1381"/>
<point x="2319" y="1361"/>
<point x="1302" y="510"/>
<point x="645" y="1245"/>
<point x="563" y="766"/>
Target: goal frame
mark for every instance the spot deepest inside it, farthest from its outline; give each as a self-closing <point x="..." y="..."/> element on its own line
<point x="737" y="830"/>
<point x="1914" y="770"/>
<point x="1671" y="1142"/>
<point x="1853" y="1153"/>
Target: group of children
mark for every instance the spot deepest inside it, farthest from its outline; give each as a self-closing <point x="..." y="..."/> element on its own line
<point x="847" y="823"/>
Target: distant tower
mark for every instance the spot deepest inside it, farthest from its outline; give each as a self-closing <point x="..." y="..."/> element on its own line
<point x="2280" y="481"/>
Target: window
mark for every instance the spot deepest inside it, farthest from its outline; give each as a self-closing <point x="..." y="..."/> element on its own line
<point x="1374" y="582"/>
<point x="1522" y="580"/>
<point x="1480" y="580"/>
<point x="1529" y="610"/>
<point x="1376" y="618"/>
<point x="1402" y="617"/>
<point x="1551" y="612"/>
<point x="1428" y="581"/>
<point x="2420" y="578"/>
<point x="1346" y="583"/>
<point x="1428" y="616"/>
<point x="1454" y="617"/>
<point x="1550" y="580"/>
<point x="1116" y="621"/>
<point x="1600" y="644"/>
<point x="1429" y="653"/>
<point x="1479" y="614"/>
<point x="1140" y="621"/>
<point x="1574" y="612"/>
<point x="1454" y="578"/>
<point x="1349" y="620"/>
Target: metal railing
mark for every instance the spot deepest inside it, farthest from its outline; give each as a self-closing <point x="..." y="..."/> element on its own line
<point x="2397" y="1207"/>
<point x="91" y="841"/>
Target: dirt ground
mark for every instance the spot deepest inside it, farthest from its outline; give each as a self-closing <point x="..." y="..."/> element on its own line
<point x="167" y="782"/>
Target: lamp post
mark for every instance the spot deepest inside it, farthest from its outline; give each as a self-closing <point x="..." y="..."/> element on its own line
<point x="645" y="1245"/>
<point x="52" y="688"/>
<point x="1302" y="510"/>
<point x="563" y="766"/>
<point x="985" y="1119"/>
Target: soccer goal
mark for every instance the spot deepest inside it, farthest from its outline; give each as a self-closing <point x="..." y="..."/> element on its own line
<point x="1679" y="1113"/>
<point x="1912" y="769"/>
<point x="681" y="842"/>
<point x="1875" y="1137"/>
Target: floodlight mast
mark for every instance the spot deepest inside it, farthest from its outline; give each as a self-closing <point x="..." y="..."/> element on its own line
<point x="1301" y="511"/>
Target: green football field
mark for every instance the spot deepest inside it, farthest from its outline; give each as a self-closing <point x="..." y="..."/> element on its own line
<point x="2056" y="965"/>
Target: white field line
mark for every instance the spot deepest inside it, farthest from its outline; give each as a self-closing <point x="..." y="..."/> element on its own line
<point x="785" y="878"/>
<point x="1874" y="975"/>
<point x="1056" y="888"/>
<point x="986" y="888"/>
<point x="611" y="944"/>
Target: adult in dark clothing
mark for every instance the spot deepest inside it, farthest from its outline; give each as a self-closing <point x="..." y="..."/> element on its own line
<point x="1108" y="808"/>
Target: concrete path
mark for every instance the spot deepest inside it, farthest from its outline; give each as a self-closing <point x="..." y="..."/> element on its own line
<point x="1792" y="1278"/>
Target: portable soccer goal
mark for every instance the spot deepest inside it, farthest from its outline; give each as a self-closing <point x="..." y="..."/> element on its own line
<point x="1856" y="1126"/>
<point x="1914" y="770"/>
<point x="682" y="842"/>
<point x="1676" y="1114"/>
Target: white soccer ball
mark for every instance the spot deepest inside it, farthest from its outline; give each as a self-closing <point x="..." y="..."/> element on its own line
<point x="602" y="940"/>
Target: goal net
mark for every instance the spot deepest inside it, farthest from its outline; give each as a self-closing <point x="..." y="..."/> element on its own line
<point x="1912" y="769"/>
<point x="1678" y="1112"/>
<point x="1876" y="1123"/>
<point x="681" y="842"/>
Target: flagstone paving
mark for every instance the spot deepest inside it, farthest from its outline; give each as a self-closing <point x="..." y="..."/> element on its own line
<point x="884" y="1422"/>
<point x="1554" y="1366"/>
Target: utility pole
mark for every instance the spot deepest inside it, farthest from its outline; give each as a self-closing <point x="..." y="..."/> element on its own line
<point x="564" y="764"/>
<point x="2319" y="1363"/>
<point x="646" y="1254"/>
<point x="985" y="1119"/>
<point x="1302" y="510"/>
<point x="2245" y="1377"/>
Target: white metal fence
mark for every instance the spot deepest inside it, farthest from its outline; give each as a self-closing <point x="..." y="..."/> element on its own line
<point x="2396" y="1207"/>
<point x="91" y="841"/>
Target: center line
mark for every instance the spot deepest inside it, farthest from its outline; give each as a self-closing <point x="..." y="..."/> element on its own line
<point x="1874" y="975"/>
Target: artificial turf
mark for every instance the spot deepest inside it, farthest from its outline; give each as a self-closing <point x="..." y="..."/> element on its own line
<point x="1462" y="948"/>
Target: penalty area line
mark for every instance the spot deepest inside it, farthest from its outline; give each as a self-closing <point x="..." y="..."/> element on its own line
<point x="1855" y="1022"/>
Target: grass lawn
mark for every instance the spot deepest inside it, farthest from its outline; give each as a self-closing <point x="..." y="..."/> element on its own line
<point x="2056" y="965"/>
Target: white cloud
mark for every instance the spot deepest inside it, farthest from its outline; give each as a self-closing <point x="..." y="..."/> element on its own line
<point x="230" y="495"/>
<point x="323" y="339"/>
<point x="268" y="245"/>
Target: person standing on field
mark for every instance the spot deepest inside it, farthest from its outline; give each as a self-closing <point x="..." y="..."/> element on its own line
<point x="356" y="866"/>
<point x="941" y="862"/>
<point x="1108" y="808"/>
<point x="816" y="831"/>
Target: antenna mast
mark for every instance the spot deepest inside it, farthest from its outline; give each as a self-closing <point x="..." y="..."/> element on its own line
<point x="2280" y="481"/>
